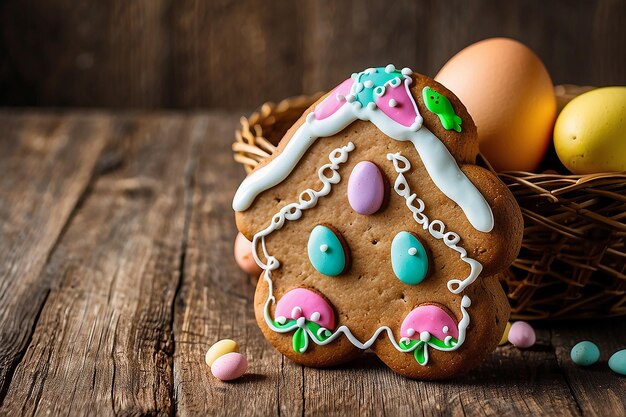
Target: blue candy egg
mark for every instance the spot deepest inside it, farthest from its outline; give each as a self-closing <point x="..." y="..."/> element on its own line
<point x="585" y="353"/>
<point x="326" y="251"/>
<point x="409" y="259"/>
<point x="617" y="362"/>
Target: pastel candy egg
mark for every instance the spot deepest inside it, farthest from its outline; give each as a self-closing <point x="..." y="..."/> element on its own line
<point x="522" y="335"/>
<point x="505" y="335"/>
<point x="409" y="259"/>
<point x="229" y="366"/>
<point x="326" y="252"/>
<point x="243" y="256"/>
<point x="220" y="348"/>
<point x="585" y="353"/>
<point x="617" y="362"/>
<point x="366" y="188"/>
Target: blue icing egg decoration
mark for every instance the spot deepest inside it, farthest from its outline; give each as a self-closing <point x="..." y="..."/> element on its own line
<point x="409" y="258"/>
<point x="326" y="253"/>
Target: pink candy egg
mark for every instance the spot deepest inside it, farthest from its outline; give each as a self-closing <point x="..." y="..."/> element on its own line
<point x="243" y="256"/>
<point x="229" y="366"/>
<point x="522" y="335"/>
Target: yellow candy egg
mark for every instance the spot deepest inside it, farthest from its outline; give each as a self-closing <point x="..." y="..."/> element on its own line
<point x="590" y="132"/>
<point x="505" y="335"/>
<point x="221" y="348"/>
<point x="509" y="94"/>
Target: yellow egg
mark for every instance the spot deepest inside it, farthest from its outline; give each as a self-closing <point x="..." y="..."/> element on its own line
<point x="509" y="94"/>
<point x="505" y="336"/>
<point x="220" y="348"/>
<point x="590" y="132"/>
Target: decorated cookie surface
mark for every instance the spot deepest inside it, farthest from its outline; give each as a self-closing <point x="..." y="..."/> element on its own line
<point x="374" y="230"/>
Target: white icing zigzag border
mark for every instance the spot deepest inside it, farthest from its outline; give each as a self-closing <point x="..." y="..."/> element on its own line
<point x="308" y="199"/>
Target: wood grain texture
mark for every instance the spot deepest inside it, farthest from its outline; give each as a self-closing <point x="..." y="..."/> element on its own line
<point x="232" y="54"/>
<point x="117" y="274"/>
<point x="103" y="342"/>
<point x="43" y="175"/>
<point x="589" y="383"/>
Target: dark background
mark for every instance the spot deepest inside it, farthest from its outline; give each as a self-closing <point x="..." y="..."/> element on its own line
<point x="239" y="53"/>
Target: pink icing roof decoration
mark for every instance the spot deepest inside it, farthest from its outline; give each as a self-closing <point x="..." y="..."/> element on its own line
<point x="431" y="319"/>
<point x="398" y="104"/>
<point x="301" y="302"/>
<point x="334" y="100"/>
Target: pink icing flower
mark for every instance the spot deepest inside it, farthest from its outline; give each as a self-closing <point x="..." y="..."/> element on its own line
<point x="301" y="303"/>
<point x="397" y="103"/>
<point x="426" y="321"/>
<point x="334" y="100"/>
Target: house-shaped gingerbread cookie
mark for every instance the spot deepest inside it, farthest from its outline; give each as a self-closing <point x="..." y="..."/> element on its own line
<point x="376" y="230"/>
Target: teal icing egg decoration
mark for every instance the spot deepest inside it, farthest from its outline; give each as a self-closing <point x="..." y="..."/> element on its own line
<point x="326" y="252"/>
<point x="409" y="258"/>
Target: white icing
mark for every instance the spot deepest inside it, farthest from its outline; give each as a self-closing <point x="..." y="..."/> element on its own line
<point x="445" y="329"/>
<point x="436" y="228"/>
<point x="410" y="332"/>
<point x="424" y="336"/>
<point x="315" y="316"/>
<point x="281" y="320"/>
<point x="439" y="163"/>
<point x="393" y="103"/>
<point x="328" y="175"/>
<point x="368" y="84"/>
<point x="390" y="68"/>
<point x="412" y="251"/>
<point x="296" y="312"/>
<point x="324" y="247"/>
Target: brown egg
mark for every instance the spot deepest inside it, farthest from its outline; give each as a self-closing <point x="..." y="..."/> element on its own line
<point x="243" y="256"/>
<point x="509" y="93"/>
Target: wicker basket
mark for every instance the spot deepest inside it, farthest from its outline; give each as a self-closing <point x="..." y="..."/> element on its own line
<point x="573" y="258"/>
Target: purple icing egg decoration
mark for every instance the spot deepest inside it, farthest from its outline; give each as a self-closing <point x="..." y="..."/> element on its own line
<point x="366" y="188"/>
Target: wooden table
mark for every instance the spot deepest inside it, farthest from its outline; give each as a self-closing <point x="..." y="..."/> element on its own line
<point x="116" y="275"/>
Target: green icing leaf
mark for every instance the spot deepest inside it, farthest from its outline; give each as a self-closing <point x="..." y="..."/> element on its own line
<point x="300" y="340"/>
<point x="420" y="355"/>
<point x="289" y="324"/>
<point x="408" y="345"/>
<point x="440" y="343"/>
<point x="314" y="328"/>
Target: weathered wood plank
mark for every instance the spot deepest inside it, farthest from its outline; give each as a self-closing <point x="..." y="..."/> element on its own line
<point x="103" y="344"/>
<point x="222" y="53"/>
<point x="215" y="302"/>
<point x="113" y="53"/>
<point x="347" y="36"/>
<point x="510" y="383"/>
<point x="44" y="172"/>
<point x="141" y="281"/>
<point x="229" y="54"/>
<point x="598" y="390"/>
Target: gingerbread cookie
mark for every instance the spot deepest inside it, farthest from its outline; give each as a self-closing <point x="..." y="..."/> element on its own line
<point x="376" y="230"/>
